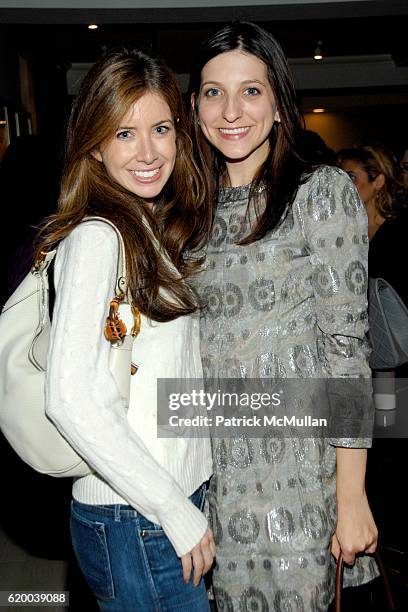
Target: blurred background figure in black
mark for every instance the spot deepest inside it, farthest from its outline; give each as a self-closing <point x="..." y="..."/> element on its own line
<point x="312" y="148"/>
<point x="29" y="179"/>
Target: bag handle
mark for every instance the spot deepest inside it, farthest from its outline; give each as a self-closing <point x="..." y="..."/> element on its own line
<point x="121" y="286"/>
<point x="339" y="583"/>
<point x="115" y="330"/>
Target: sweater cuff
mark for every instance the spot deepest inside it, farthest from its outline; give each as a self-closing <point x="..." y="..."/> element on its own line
<point x="184" y="525"/>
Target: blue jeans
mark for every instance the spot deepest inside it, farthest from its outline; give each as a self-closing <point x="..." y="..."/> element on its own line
<point x="129" y="563"/>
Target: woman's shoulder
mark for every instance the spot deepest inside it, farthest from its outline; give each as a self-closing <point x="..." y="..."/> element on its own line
<point x="326" y="176"/>
<point x="93" y="228"/>
<point x="94" y="242"/>
<point x="93" y="236"/>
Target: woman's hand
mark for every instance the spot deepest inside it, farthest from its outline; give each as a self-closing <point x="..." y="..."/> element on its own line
<point x="356" y="531"/>
<point x="200" y="558"/>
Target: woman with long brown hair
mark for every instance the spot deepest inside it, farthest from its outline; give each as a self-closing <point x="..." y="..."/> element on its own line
<point x="136" y="521"/>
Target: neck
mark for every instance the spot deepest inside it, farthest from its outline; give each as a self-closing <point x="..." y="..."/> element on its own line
<point x="242" y="171"/>
<point x="239" y="173"/>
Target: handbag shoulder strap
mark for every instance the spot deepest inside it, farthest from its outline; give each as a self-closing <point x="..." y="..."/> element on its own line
<point x="121" y="285"/>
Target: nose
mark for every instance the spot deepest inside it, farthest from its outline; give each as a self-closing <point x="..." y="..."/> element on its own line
<point x="146" y="151"/>
<point x="232" y="108"/>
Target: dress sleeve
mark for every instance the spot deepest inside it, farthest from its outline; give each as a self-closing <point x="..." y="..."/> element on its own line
<point x="334" y="224"/>
<point x="82" y="398"/>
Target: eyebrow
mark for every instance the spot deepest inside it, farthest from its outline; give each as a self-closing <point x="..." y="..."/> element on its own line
<point x="128" y="127"/>
<point x="246" y="82"/>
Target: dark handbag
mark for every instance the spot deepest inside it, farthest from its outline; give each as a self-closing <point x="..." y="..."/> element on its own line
<point x="388" y="319"/>
<point x="339" y="584"/>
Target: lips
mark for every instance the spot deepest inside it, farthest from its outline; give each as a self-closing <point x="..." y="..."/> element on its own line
<point x="146" y="176"/>
<point x="234" y="134"/>
<point x="145" y="173"/>
<point x="234" y="131"/>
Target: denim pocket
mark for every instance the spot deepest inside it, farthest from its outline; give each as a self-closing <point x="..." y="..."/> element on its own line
<point x="91" y="549"/>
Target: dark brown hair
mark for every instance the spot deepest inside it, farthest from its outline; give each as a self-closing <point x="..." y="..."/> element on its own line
<point x="283" y="170"/>
<point x="179" y="223"/>
<point x="376" y="160"/>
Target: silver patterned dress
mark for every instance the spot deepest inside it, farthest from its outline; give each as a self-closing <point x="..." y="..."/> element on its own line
<point x="291" y="305"/>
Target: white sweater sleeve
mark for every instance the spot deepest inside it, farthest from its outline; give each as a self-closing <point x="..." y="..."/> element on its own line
<point x="82" y="398"/>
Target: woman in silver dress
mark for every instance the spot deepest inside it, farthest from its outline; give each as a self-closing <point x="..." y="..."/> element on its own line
<point x="285" y="288"/>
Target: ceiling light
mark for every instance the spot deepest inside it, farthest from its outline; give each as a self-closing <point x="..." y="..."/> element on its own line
<point x="2" y="122"/>
<point x="319" y="110"/>
<point x="92" y="26"/>
<point x="318" y="54"/>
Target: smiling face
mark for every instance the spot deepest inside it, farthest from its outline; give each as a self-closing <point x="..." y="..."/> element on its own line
<point x="142" y="153"/>
<point x="236" y="109"/>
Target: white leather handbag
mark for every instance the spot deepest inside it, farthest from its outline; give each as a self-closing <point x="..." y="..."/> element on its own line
<point x="24" y="331"/>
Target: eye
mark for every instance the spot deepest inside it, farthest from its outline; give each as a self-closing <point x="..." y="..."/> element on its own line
<point x="251" y="91"/>
<point x="352" y="176"/>
<point x="124" y="134"/>
<point x="162" y="129"/>
<point x="212" y="92"/>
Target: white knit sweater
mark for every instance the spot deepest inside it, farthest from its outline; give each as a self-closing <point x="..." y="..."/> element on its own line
<point x="155" y="476"/>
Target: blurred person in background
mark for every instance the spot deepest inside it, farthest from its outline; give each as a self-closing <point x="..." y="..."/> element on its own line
<point x="378" y="178"/>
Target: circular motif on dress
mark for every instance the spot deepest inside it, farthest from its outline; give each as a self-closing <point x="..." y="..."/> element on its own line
<point x="321" y="204"/>
<point x="326" y="280"/>
<point x="233" y="300"/>
<point x="253" y="600"/>
<point x="261" y="294"/>
<point x="237" y="228"/>
<point x="321" y="597"/>
<point x="215" y="524"/>
<point x="288" y="601"/>
<point x="241" y="452"/>
<point x="272" y="448"/>
<point x="349" y="201"/>
<point x="356" y="278"/>
<point x="313" y="521"/>
<point x="212" y="297"/>
<point x="280" y="525"/>
<point x="303" y="361"/>
<point x="268" y="365"/>
<point x="224" y="601"/>
<point x="243" y="527"/>
<point x="219" y="232"/>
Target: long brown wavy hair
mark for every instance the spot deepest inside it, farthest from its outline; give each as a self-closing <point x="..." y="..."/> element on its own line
<point x="180" y="222"/>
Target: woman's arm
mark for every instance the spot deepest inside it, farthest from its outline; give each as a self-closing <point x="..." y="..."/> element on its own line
<point x="356" y="531"/>
<point x="82" y="397"/>
<point x="335" y="229"/>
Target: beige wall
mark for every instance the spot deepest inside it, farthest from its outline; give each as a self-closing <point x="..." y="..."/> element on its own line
<point x="342" y="129"/>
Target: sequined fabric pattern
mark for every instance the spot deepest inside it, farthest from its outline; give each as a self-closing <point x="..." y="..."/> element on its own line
<point x="291" y="305"/>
